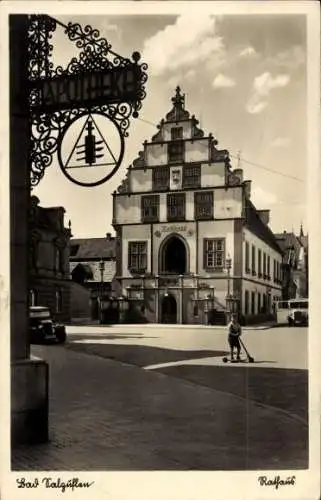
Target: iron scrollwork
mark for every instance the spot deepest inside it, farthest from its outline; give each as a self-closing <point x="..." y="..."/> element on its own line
<point x="95" y="56"/>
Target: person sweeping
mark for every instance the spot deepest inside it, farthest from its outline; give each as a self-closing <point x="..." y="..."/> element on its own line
<point x="234" y="332"/>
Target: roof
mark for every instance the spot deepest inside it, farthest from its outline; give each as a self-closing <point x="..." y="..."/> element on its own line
<point x="305" y="241"/>
<point x="88" y="273"/>
<point x="256" y="226"/>
<point x="92" y="248"/>
<point x="291" y="246"/>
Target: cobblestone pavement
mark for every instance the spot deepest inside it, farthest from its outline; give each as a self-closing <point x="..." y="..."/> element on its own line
<point x="108" y="415"/>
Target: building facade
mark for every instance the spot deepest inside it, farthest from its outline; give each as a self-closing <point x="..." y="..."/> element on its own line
<point x="49" y="279"/>
<point x="295" y="265"/>
<point x="187" y="233"/>
<point x="92" y="269"/>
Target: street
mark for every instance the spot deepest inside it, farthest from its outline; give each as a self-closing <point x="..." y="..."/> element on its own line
<point x="153" y="397"/>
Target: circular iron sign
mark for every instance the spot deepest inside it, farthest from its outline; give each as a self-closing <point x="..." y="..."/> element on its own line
<point x="91" y="149"/>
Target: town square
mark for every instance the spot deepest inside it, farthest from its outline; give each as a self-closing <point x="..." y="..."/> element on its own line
<point x="158" y="397"/>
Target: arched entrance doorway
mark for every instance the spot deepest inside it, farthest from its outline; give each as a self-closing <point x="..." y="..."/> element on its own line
<point x="174" y="256"/>
<point x="169" y="309"/>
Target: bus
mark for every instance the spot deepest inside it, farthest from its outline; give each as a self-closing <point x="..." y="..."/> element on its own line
<point x="293" y="311"/>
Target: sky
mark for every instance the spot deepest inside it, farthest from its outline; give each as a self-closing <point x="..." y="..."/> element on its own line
<point x="244" y="78"/>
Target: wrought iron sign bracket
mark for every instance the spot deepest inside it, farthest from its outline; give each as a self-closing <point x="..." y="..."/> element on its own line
<point x="97" y="81"/>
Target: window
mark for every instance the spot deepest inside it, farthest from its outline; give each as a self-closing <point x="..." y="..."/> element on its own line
<point x="150" y="208"/>
<point x="259" y="263"/>
<point x="264" y="265"/>
<point x="253" y="302"/>
<point x="274" y="270"/>
<point x="268" y="267"/>
<point x="253" y="261"/>
<point x="137" y="256"/>
<point x="246" y="302"/>
<point x="176" y="206"/>
<point x="58" y="297"/>
<point x="160" y="178"/>
<point x="176" y="133"/>
<point x="74" y="250"/>
<point x="203" y="203"/>
<point x="192" y="176"/>
<point x="247" y="257"/>
<point x="214" y="253"/>
<point x="259" y="303"/>
<point x="176" y="152"/>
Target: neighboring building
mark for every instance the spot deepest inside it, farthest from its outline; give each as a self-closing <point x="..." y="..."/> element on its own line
<point x="295" y="264"/>
<point x="49" y="279"/>
<point x="92" y="268"/>
<point x="180" y="215"/>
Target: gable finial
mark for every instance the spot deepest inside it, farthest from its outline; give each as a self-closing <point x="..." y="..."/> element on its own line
<point x="301" y="230"/>
<point x="179" y="99"/>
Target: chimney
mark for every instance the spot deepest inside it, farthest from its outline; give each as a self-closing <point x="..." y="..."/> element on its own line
<point x="238" y="172"/>
<point x="108" y="236"/>
<point x="247" y="188"/>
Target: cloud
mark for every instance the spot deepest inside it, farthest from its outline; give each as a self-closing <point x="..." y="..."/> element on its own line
<point x="248" y="52"/>
<point x="222" y="81"/>
<point x="191" y="40"/>
<point x="262" y="198"/>
<point x="261" y="88"/>
<point x="256" y="108"/>
<point x="290" y="59"/>
<point x="112" y="27"/>
<point x="264" y="83"/>
<point x="190" y="75"/>
<point x="280" y="142"/>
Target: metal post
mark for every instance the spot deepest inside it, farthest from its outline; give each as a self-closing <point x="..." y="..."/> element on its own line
<point x="196" y="306"/>
<point x="181" y="299"/>
<point x="157" y="298"/>
<point x="206" y="301"/>
<point x="143" y="286"/>
<point x="212" y="302"/>
<point x="228" y="265"/>
<point x="101" y="268"/>
<point x="228" y="282"/>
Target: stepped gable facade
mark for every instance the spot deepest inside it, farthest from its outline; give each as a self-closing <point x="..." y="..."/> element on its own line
<point x="183" y="216"/>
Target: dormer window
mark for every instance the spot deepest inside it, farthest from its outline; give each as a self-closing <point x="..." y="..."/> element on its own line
<point x="176" y="133"/>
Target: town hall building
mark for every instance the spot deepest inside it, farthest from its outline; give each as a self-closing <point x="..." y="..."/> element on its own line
<point x="190" y="244"/>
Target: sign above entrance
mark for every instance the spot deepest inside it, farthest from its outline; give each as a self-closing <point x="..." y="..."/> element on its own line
<point x="174" y="229"/>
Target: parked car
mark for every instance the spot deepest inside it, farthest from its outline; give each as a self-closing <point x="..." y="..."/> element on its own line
<point x="298" y="316"/>
<point x="43" y="329"/>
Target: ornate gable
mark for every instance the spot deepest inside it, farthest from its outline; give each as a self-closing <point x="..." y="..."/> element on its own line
<point x="178" y="111"/>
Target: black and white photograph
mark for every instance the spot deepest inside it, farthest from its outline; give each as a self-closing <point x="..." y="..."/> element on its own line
<point x="160" y="179"/>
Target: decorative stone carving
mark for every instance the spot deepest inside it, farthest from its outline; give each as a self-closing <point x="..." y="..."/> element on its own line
<point x="140" y="161"/>
<point x="158" y="137"/>
<point x="178" y="112"/>
<point x="233" y="179"/>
